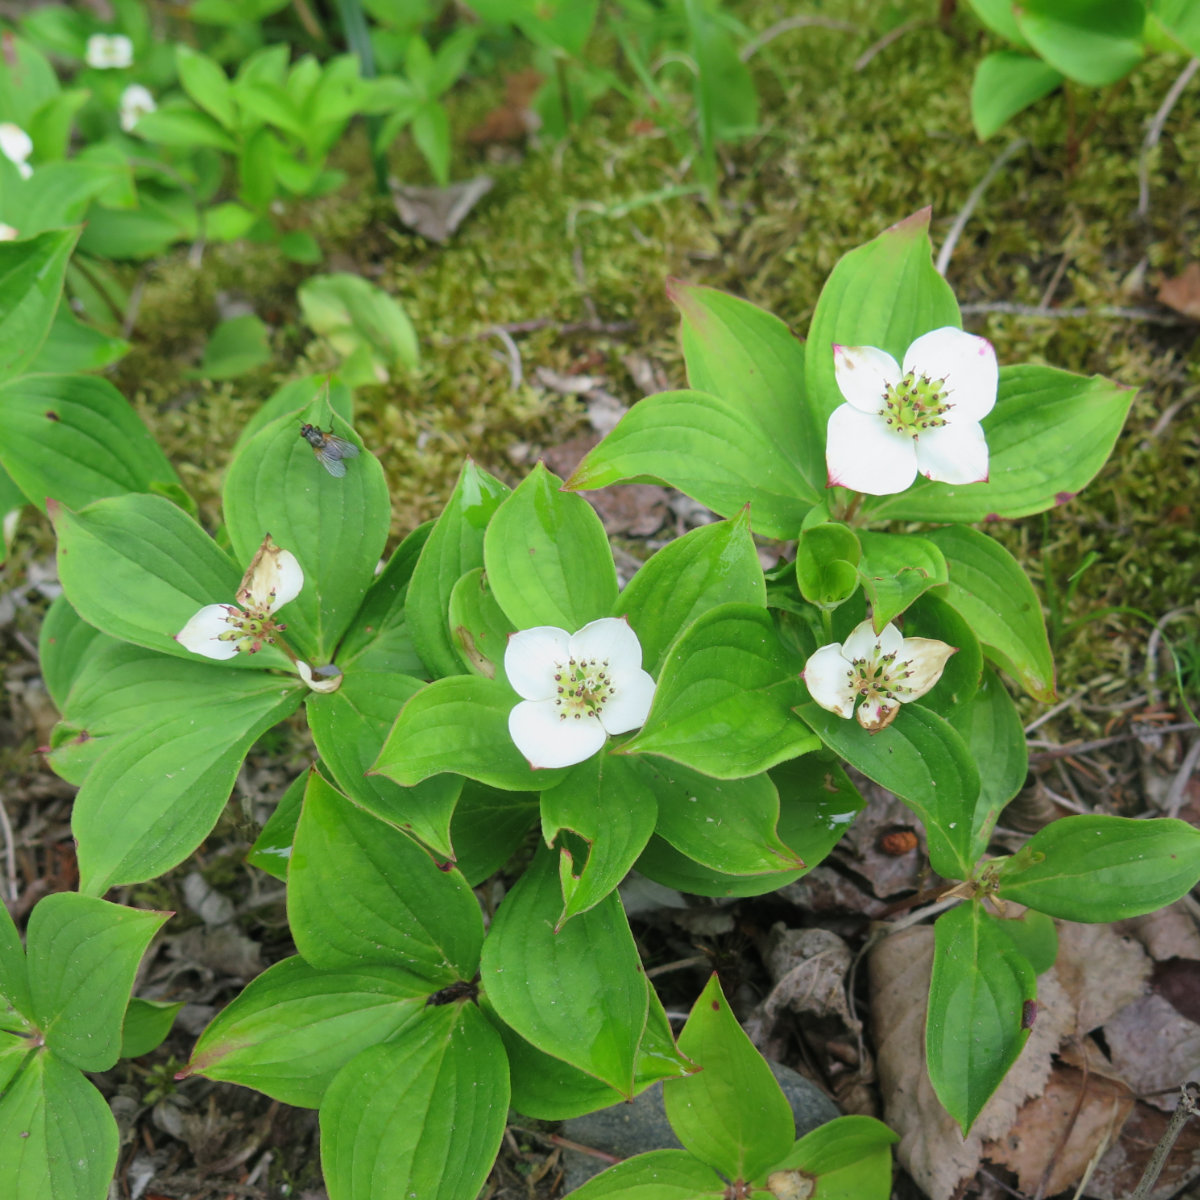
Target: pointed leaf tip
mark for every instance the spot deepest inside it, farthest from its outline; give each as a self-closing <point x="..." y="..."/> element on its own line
<point x="915" y="225"/>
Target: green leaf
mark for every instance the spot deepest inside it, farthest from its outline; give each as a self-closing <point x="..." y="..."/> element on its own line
<point x="849" y="1158"/>
<point x="156" y="793"/>
<point x="1094" y="42"/>
<point x="63" y="1139"/>
<point x="63" y="642"/>
<point x="1100" y="868"/>
<point x="995" y="597"/>
<point x="75" y="439"/>
<point x="402" y="910"/>
<point x="235" y="347"/>
<point x="349" y="727"/>
<point x="478" y="626"/>
<point x="454" y="547"/>
<point x="827" y="563"/>
<point x="724" y="699"/>
<point x="884" y="294"/>
<point x="205" y="82"/>
<point x="715" y="564"/>
<point x="547" y="557"/>
<point x="929" y="616"/>
<point x="138" y="568"/>
<point x="14" y="976"/>
<point x="1005" y="83"/>
<point x="998" y="16"/>
<point x="292" y="398"/>
<point x="926" y="763"/>
<point x="336" y="527"/>
<point x="974" y="1029"/>
<point x="708" y="448"/>
<point x="657" y="1175"/>
<point x="726" y="100"/>
<point x="577" y="994"/>
<point x="83" y="954"/>
<point x="424" y="1113"/>
<point x="431" y="132"/>
<point x="228" y="222"/>
<point x="895" y="570"/>
<point x="179" y="125"/>
<point x="609" y="803"/>
<point x="73" y="346"/>
<point x="488" y="828"/>
<point x="737" y="351"/>
<point x="272" y="849"/>
<point x="460" y="725"/>
<point x="1035" y="937"/>
<point x="731" y="1114"/>
<point x="31" y="279"/>
<point x="1048" y="436"/>
<point x="292" y="1028"/>
<point x="146" y="1025"/>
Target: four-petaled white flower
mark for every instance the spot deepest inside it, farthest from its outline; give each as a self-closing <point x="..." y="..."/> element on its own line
<point x="224" y="630"/>
<point x="8" y="233"/>
<point x="16" y="146"/>
<point x="136" y="102"/>
<point x="109" y="51"/>
<point x="577" y="689"/>
<point x="923" y="416"/>
<point x="886" y="669"/>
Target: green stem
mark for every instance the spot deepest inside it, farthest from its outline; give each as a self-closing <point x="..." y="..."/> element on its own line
<point x="358" y="38"/>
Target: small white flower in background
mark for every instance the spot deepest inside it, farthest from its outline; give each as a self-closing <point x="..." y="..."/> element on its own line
<point x="16" y="146"/>
<point x="107" y="51"/>
<point x="577" y="689"/>
<point x="323" y="679"/>
<point x="922" y="416"/>
<point x="8" y="233"/>
<point x="224" y="630"/>
<point x="886" y="669"/>
<point x="136" y="102"/>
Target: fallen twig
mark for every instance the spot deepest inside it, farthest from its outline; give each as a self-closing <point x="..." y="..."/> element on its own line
<point x="943" y="258"/>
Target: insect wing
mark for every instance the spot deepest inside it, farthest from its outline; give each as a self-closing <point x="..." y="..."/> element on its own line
<point x="331" y="452"/>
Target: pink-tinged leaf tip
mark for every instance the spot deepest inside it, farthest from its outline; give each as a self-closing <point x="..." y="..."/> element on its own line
<point x="915" y="225"/>
<point x="1061" y="498"/>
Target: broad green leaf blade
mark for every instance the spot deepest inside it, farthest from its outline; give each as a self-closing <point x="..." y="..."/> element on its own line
<point x="850" y="1158"/>
<point x="925" y="762"/>
<point x="63" y="1139"/>
<point x="71" y="345"/>
<point x="704" y="446"/>
<point x="63" y="644"/>
<point x="292" y="1028"/>
<point x="138" y="568"/>
<point x="421" y="1115"/>
<point x="460" y="725"/>
<point x="895" y="569"/>
<point x="998" y="16"/>
<point x="205" y="82"/>
<point x="609" y="803"/>
<point x="731" y="1114"/>
<point x="272" y="849"/>
<point x="1048" y="436"/>
<point x="715" y="564"/>
<point x="455" y="546"/>
<point x="336" y="527"/>
<point x="740" y="352"/>
<point x="402" y="910"/>
<point x="83" y="954"/>
<point x="488" y="828"/>
<point x="16" y="1004"/>
<point x="827" y="562"/>
<point x="236" y="346"/>
<point x="1100" y="868"/>
<point x="1094" y="42"/>
<point x="929" y="616"/>
<point x="292" y="398"/>
<point x="31" y="279"/>
<point x="478" y="626"/>
<point x="883" y="294"/>
<point x="1006" y="83"/>
<point x="547" y="557"/>
<point x="724" y="699"/>
<point x="993" y="594"/>
<point x="974" y="1028"/>
<point x="726" y="100"/>
<point x="578" y="994"/>
<point x="155" y="795"/>
<point x="146" y="1025"/>
<point x="658" y="1175"/>
<point x="348" y="727"/>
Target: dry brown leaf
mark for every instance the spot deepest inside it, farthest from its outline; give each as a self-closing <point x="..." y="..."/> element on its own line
<point x="1182" y="293"/>
<point x="869" y="848"/>
<point x="513" y="120"/>
<point x="1154" y="1048"/>
<point x="1101" y="971"/>
<point x="1035" y="1141"/>
<point x="1121" y="1168"/>
<point x="436" y="212"/>
<point x="825" y="890"/>
<point x="1169" y="933"/>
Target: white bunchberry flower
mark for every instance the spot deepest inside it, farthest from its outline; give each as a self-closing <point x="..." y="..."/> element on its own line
<point x="16" y="146"/>
<point x="109" y="51"/>
<point x="136" y="102"/>
<point x="8" y="233"/>
<point x="577" y="689"/>
<point x="923" y="416"/>
<point x="224" y="630"/>
<point x="885" y="669"/>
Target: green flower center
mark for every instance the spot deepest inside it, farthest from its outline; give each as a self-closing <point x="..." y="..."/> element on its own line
<point x="584" y="688"/>
<point x="915" y="404"/>
<point x="250" y="630"/>
<point x="880" y="677"/>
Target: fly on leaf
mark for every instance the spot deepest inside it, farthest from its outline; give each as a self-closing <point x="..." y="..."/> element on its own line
<point x="329" y="449"/>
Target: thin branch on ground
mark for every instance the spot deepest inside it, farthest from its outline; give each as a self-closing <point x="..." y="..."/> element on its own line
<point x="1108" y="311"/>
<point x="755" y="44"/>
<point x="1052" y="752"/>
<point x="10" y="855"/>
<point x="943" y="258"/>
<point x="1174" y="800"/>
<point x="1189" y="1106"/>
<point x="892" y="35"/>
<point x="1154" y="132"/>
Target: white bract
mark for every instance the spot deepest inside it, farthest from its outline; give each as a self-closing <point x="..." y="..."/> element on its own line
<point x="920" y="416"/>
<point x="136" y="102"/>
<point x="885" y="669"/>
<point x="109" y="51"/>
<point x="16" y="146"/>
<point x="8" y="233"/>
<point x="577" y="689"/>
<point x="225" y="630"/>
